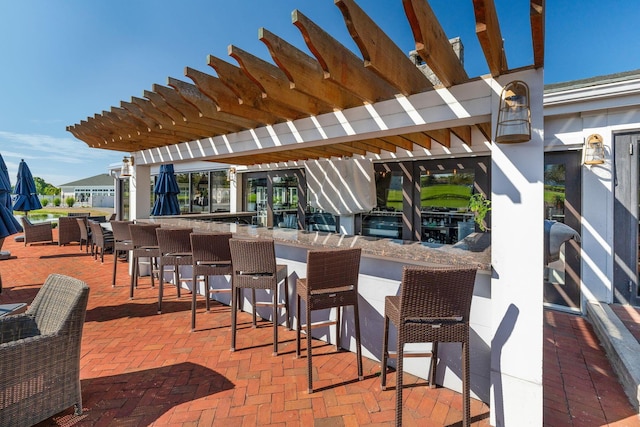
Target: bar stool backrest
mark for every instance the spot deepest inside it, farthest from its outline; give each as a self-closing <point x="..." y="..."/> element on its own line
<point x="436" y="293"/>
<point x="210" y="247"/>
<point x="253" y="257"/>
<point x="121" y="231"/>
<point x="336" y="268"/>
<point x="174" y="240"/>
<point x="144" y="234"/>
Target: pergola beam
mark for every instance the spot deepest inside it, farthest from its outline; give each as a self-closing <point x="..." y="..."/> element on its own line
<point x="380" y="53"/>
<point x="536" y="16"/>
<point x="305" y="73"/>
<point x="489" y="35"/>
<point x="340" y="65"/>
<point x="432" y="43"/>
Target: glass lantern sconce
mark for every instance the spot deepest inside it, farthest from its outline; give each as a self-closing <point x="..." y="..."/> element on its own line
<point x="231" y="174"/>
<point x="514" y="115"/>
<point x="593" y="150"/>
<point x="127" y="165"/>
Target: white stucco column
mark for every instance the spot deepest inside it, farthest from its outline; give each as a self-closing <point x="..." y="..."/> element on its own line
<point x="140" y="192"/>
<point x="517" y="238"/>
<point x="347" y="224"/>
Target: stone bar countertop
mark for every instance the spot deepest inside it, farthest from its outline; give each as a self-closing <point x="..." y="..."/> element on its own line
<point x="401" y="250"/>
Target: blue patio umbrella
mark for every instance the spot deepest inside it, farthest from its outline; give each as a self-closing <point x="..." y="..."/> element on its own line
<point x="26" y="190"/>
<point x="166" y="190"/>
<point x="8" y="223"/>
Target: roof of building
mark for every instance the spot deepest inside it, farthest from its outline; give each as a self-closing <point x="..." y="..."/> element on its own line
<point x="102" y="180"/>
<point x="592" y="81"/>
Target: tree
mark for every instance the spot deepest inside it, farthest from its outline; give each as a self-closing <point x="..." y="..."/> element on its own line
<point x="43" y="187"/>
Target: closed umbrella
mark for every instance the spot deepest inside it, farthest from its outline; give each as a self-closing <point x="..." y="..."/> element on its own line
<point x="8" y="223"/>
<point x="166" y="190"/>
<point x="26" y="190"/>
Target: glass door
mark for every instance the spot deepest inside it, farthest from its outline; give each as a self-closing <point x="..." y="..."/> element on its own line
<point x="562" y="201"/>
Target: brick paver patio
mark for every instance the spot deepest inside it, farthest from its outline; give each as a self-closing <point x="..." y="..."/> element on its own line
<point x="140" y="368"/>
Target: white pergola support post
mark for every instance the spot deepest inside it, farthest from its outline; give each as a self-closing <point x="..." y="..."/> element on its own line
<point x="517" y="178"/>
<point x="139" y="192"/>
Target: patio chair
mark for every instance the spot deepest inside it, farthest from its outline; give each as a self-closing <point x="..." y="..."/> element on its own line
<point x="254" y="267"/>
<point x="121" y="243"/>
<point x="331" y="282"/>
<point x="101" y="239"/>
<point x="85" y="234"/>
<point x="40" y="353"/>
<point x="68" y="230"/>
<point x="433" y="307"/>
<point x="36" y="233"/>
<point x="175" y="250"/>
<point x="145" y="245"/>
<point x="211" y="257"/>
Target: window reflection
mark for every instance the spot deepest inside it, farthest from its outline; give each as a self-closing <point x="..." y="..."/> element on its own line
<point x="444" y="201"/>
<point x="200" y="192"/>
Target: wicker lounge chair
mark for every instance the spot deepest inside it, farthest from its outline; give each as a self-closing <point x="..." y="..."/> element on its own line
<point x="331" y="282"/>
<point x="40" y="353"/>
<point x="433" y="306"/>
<point x="36" y="233"/>
<point x="254" y="267"/>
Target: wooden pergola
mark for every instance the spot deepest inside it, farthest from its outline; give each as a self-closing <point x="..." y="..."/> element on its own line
<point x="255" y="93"/>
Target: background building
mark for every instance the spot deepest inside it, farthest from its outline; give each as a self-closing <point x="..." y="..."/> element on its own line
<point x="95" y="192"/>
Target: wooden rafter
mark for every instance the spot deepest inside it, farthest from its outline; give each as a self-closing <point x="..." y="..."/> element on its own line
<point x="489" y="35"/>
<point x="206" y="106"/>
<point x="248" y="92"/>
<point x="536" y="16"/>
<point x="419" y="138"/>
<point x="225" y="99"/>
<point x="305" y="73"/>
<point x="274" y="84"/>
<point x="192" y="114"/>
<point x="340" y="64"/>
<point x="485" y="129"/>
<point x="441" y="136"/>
<point x="380" y="53"/>
<point x="463" y="133"/>
<point x="432" y="43"/>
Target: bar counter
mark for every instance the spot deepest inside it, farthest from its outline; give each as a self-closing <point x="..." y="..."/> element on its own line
<point x="381" y="268"/>
<point x="420" y="253"/>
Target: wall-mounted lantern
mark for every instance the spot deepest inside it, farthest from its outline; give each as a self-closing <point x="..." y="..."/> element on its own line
<point x="231" y="174"/>
<point x="514" y="115"/>
<point x="126" y="168"/>
<point x="593" y="150"/>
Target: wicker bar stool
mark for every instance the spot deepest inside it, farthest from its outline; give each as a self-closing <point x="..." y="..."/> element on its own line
<point x="433" y="306"/>
<point x="145" y="245"/>
<point x="175" y="250"/>
<point x="122" y="243"/>
<point x="211" y="257"/>
<point x="254" y="267"/>
<point x="331" y="282"/>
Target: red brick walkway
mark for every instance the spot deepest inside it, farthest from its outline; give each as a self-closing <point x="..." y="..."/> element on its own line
<point x="140" y="368"/>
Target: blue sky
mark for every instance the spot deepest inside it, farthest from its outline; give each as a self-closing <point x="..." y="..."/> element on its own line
<point x="65" y="60"/>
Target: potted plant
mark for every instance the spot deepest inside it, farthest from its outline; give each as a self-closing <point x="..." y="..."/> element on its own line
<point x="479" y="205"/>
